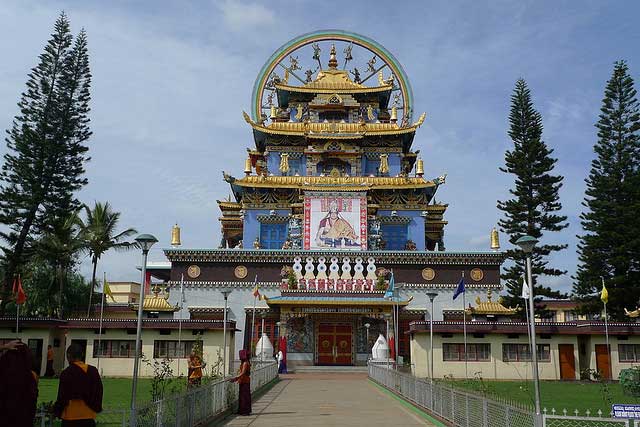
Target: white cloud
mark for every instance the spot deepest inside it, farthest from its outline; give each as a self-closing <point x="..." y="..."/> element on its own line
<point x="246" y="17"/>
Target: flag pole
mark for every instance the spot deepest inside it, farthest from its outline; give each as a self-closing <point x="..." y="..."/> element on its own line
<point x="606" y="329"/>
<point x="180" y="352"/>
<point x="464" y="329"/>
<point x="16" y="287"/>
<point x="253" y="316"/>
<point x="104" y="281"/>
<point x="17" y="317"/>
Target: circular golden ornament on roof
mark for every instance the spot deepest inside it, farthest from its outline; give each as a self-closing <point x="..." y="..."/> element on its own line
<point x="240" y="272"/>
<point x="193" y="271"/>
<point x="477" y="274"/>
<point x="428" y="274"/>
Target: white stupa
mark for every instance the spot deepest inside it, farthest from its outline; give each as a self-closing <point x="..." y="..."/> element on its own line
<point x="264" y="348"/>
<point x="380" y="350"/>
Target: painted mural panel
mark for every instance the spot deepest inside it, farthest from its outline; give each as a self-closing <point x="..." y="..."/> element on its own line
<point x="335" y="221"/>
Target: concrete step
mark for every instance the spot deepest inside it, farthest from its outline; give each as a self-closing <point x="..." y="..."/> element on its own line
<point x="332" y="369"/>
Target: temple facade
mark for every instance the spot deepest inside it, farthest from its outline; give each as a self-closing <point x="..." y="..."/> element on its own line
<point x="331" y="201"/>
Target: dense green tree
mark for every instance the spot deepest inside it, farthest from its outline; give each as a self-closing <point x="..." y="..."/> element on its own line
<point x="99" y="232"/>
<point x="610" y="246"/>
<point x="46" y="148"/>
<point x="59" y="248"/>
<point x="533" y="208"/>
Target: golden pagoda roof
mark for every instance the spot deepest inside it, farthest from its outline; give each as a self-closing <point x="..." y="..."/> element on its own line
<point x="334" y="81"/>
<point x="633" y="314"/>
<point x="229" y="205"/>
<point x="334" y="130"/>
<point x="344" y="183"/>
<point x="491" y="307"/>
<point x="157" y="302"/>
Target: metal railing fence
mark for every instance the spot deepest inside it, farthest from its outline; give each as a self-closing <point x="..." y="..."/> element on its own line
<point x="464" y="409"/>
<point x="191" y="408"/>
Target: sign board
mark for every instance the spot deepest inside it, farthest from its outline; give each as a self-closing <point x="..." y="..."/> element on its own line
<point x="335" y="221"/>
<point x="623" y="410"/>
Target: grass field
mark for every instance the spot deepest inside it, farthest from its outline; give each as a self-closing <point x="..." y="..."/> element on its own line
<point x="117" y="391"/>
<point x="555" y="394"/>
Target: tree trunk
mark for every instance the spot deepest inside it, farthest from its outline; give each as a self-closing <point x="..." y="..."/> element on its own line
<point x="61" y="278"/>
<point x="93" y="284"/>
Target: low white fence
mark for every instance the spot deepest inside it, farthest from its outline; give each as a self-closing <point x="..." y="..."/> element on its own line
<point x="194" y="407"/>
<point x="464" y="409"/>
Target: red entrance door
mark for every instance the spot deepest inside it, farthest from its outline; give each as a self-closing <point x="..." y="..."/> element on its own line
<point x="334" y="344"/>
<point x="567" y="362"/>
<point x="603" y="364"/>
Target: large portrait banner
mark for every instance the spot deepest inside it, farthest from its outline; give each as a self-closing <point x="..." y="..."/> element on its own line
<point x="335" y="221"/>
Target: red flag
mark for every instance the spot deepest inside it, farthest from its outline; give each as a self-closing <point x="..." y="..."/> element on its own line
<point x="18" y="292"/>
<point x="392" y="348"/>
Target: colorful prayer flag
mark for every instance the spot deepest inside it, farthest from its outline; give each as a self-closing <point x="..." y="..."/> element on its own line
<point x="604" y="294"/>
<point x="256" y="289"/>
<point x="107" y="290"/>
<point x="18" y="292"/>
<point x="525" y="288"/>
<point x="391" y="287"/>
<point x="460" y="289"/>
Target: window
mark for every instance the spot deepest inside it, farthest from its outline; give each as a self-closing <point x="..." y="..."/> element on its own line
<point x="171" y="349"/>
<point x="272" y="236"/>
<point x="629" y="352"/>
<point x="114" y="348"/>
<point x="522" y="352"/>
<point x="570" y="316"/>
<point x="395" y="236"/>
<point x="371" y="166"/>
<point x="477" y="352"/>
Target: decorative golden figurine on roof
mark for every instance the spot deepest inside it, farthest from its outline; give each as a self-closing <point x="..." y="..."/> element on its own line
<point x="284" y="163"/>
<point x="491" y="307"/>
<point x="495" y="239"/>
<point x="632" y="314"/>
<point x="384" y="163"/>
<point x="157" y="302"/>
<point x="175" y="236"/>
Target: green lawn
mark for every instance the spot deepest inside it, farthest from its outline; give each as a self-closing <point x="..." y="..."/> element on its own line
<point x="555" y="394"/>
<point x="117" y="391"/>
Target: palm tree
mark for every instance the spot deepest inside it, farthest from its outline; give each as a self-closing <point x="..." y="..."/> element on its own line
<point x="99" y="235"/>
<point x="59" y="247"/>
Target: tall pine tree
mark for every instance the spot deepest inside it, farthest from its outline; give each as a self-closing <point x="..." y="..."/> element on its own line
<point x="533" y="208"/>
<point x="610" y="247"/>
<point x="44" y="165"/>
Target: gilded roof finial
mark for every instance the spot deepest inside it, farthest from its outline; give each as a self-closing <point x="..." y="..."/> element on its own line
<point x="175" y="236"/>
<point x="284" y="163"/>
<point x="394" y="114"/>
<point x="419" y="167"/>
<point x="384" y="164"/>
<point x="495" y="240"/>
<point x="272" y="112"/>
<point x="333" y="61"/>
<point x="247" y="166"/>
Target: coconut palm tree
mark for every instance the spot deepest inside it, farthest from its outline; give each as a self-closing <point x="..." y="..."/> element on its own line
<point x="59" y="247"/>
<point x="100" y="235"/>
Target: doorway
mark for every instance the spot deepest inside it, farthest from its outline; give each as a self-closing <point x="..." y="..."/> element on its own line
<point x="35" y="345"/>
<point x="335" y="344"/>
<point x="603" y="362"/>
<point x="567" y="362"/>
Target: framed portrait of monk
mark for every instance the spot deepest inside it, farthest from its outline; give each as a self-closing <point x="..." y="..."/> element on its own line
<point x="335" y="221"/>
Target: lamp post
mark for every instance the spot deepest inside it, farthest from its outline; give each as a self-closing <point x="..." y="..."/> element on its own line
<point x="225" y="293"/>
<point x="432" y="296"/>
<point x="527" y="243"/>
<point x="144" y="241"/>
<point x="367" y="326"/>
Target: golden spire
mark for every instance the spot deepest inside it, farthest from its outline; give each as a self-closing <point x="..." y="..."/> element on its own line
<point x="175" y="236"/>
<point x="284" y="163"/>
<point x="333" y="62"/>
<point x="273" y="114"/>
<point x="384" y="163"/>
<point x="419" y="167"/>
<point x="394" y="114"/>
<point x="247" y="166"/>
<point x="495" y="240"/>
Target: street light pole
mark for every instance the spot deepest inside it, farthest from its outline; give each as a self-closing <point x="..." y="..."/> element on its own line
<point x="225" y="293"/>
<point x="144" y="241"/>
<point x="432" y="296"/>
<point x="527" y="243"/>
<point x="367" y="326"/>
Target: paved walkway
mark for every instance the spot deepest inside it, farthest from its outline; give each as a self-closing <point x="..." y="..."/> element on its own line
<point x="325" y="399"/>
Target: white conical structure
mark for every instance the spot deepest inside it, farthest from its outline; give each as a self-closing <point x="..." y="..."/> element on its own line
<point x="380" y="350"/>
<point x="264" y="348"/>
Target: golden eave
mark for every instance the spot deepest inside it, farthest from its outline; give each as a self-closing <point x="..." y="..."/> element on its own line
<point x="334" y="130"/>
<point x="155" y="303"/>
<point x="330" y="183"/>
<point x="491" y="307"/>
<point x="333" y="81"/>
<point x="229" y="205"/>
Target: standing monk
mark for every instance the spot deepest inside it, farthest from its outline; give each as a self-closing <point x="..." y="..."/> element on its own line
<point x="195" y="370"/>
<point x="49" y="372"/>
<point x="244" y="381"/>
<point x="79" y="392"/>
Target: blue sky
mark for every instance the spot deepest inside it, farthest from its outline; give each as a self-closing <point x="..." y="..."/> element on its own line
<point x="171" y="79"/>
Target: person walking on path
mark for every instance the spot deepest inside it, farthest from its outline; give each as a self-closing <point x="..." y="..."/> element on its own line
<point x="244" y="381"/>
<point x="282" y="367"/>
<point x="79" y="392"/>
<point x="49" y="372"/>
<point x="18" y="385"/>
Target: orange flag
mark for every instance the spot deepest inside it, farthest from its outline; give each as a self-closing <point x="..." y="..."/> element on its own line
<point x="18" y="292"/>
